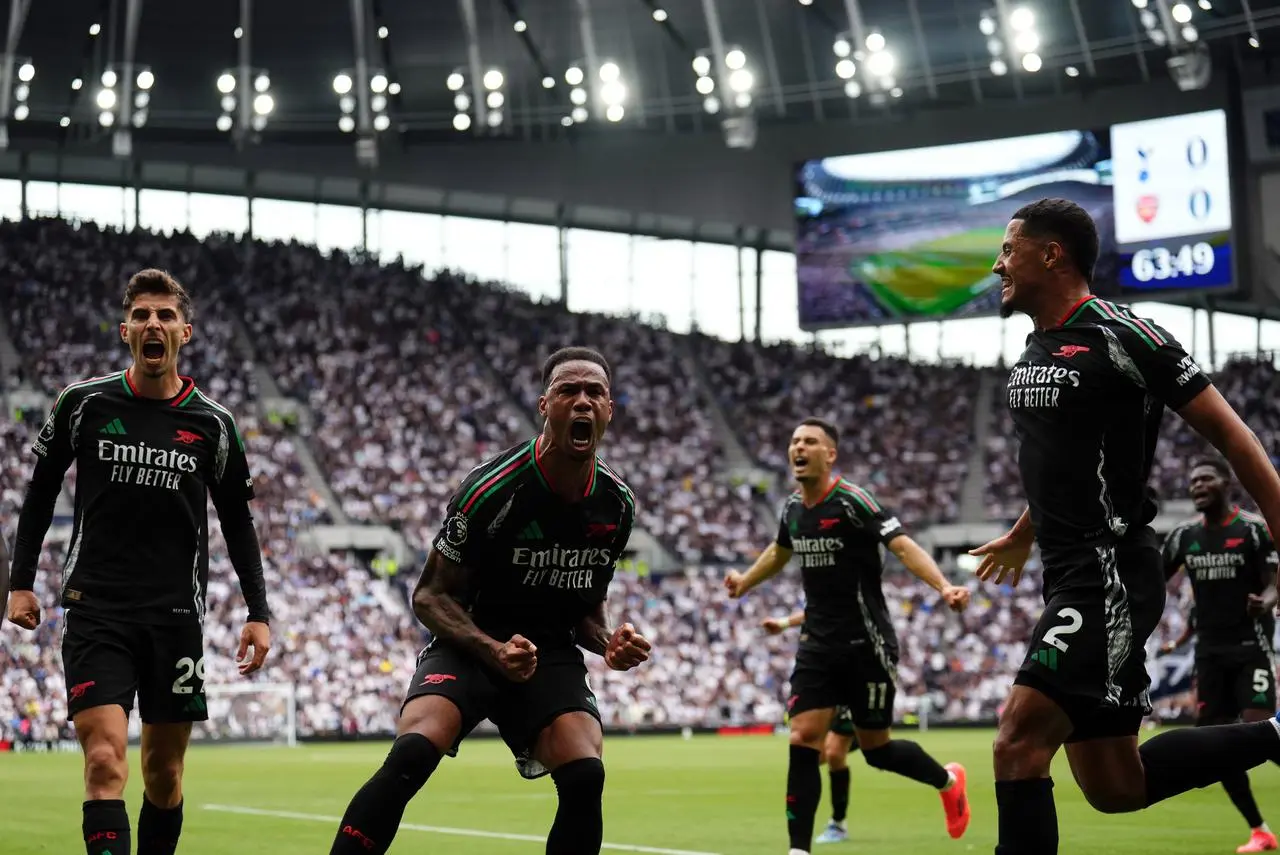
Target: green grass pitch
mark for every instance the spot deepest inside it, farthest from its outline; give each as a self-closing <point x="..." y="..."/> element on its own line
<point x="933" y="277"/>
<point x="712" y="795"/>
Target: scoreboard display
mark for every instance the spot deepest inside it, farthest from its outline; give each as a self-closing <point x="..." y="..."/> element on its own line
<point x="1173" y="202"/>
<point x="911" y="234"/>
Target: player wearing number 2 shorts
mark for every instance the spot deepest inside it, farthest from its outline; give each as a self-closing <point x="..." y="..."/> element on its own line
<point x="150" y="450"/>
<point x="1087" y="398"/>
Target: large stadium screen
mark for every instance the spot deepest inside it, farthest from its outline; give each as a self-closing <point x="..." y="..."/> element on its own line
<point x="912" y="234"/>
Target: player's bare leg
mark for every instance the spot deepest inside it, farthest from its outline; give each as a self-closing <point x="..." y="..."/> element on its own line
<point x="1261" y="838"/>
<point x="103" y="733"/>
<point x="907" y="758"/>
<point x="429" y="727"/>
<point x="804" y="780"/>
<point x="570" y="748"/>
<point x="1114" y="773"/>
<point x="835" y="754"/>
<point x="164" y="751"/>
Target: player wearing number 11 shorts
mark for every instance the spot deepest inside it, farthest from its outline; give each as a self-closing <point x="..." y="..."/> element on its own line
<point x="150" y="450"/>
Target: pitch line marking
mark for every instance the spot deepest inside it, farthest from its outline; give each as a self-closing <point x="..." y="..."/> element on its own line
<point x="457" y="832"/>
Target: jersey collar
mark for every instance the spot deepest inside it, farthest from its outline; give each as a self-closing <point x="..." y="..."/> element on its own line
<point x="542" y="473"/>
<point x="184" y="396"/>
<point x="831" y="488"/>
<point x="1074" y="312"/>
<point x="1232" y="515"/>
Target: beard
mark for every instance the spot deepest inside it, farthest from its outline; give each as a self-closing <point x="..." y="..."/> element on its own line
<point x="1007" y="309"/>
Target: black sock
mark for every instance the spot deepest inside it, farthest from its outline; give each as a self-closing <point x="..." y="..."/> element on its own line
<point x="1237" y="787"/>
<point x="1028" y="819"/>
<point x="579" y="825"/>
<point x="158" y="829"/>
<point x="106" y="827"/>
<point x="908" y="759"/>
<point x="804" y="789"/>
<point x="1193" y="757"/>
<point x="371" y="820"/>
<point x="839" y="794"/>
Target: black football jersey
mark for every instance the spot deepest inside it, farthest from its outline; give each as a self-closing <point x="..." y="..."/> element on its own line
<point x="1226" y="563"/>
<point x="145" y="470"/>
<point x="536" y="564"/>
<point x="837" y="545"/>
<point x="1087" y="398"/>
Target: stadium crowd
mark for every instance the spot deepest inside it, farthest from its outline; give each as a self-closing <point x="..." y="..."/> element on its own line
<point x="409" y="382"/>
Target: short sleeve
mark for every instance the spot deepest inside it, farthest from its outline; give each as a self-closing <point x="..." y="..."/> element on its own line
<point x="232" y="480"/>
<point x="1165" y="368"/>
<point x="473" y="508"/>
<point x="867" y="513"/>
<point x="1266" y="547"/>
<point x="784" y="531"/>
<point x="1172" y="552"/>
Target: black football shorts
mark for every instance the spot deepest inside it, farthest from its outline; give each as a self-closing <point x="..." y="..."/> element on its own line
<point x="1230" y="680"/>
<point x="111" y="662"/>
<point x="842" y="723"/>
<point x="854" y="677"/>
<point x="520" y="710"/>
<point x="1088" y="650"/>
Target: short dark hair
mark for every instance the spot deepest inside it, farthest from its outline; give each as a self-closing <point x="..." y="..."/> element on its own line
<point x="1216" y="463"/>
<point x="573" y="354"/>
<point x="1067" y="223"/>
<point x="153" y="281"/>
<point x="825" y="426"/>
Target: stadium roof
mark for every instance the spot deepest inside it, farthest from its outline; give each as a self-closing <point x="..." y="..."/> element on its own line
<point x="941" y="56"/>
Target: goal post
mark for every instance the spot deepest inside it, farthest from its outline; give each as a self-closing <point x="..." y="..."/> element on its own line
<point x="249" y="712"/>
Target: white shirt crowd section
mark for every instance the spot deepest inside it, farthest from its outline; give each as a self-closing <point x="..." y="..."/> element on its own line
<point x="410" y="382"/>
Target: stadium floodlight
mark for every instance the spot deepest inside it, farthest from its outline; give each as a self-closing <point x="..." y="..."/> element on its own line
<point x="704" y="85"/>
<point x="1139" y="4"/>
<point x="806" y="2"/>
<point x="383" y="32"/>
<point x="142" y="100"/>
<point x="881" y="63"/>
<point x="342" y="83"/>
<point x="735" y="59"/>
<point x="494" y="118"/>
<point x="875" y="42"/>
<point x="579" y="114"/>
<point x="381" y="122"/>
<point x="999" y="67"/>
<point x="852" y="89"/>
<point x="224" y="123"/>
<point x="548" y="82"/>
<point x="237" y="33"/>
<point x="226" y="83"/>
<point x="263" y="104"/>
<point x="1181" y="13"/>
<point x="261" y="83"/>
<point x="378" y="83"/>
<point x="574" y="76"/>
<point x="659" y="15"/>
<point x="987" y="25"/>
<point x="711" y="104"/>
<point x="461" y="103"/>
<point x="21" y="112"/>
<point x="146" y="79"/>
<point x="1205" y="5"/>
<point x="1027" y="41"/>
<point x="64" y="122"/>
<point x="841" y="47"/>
<point x="896" y="92"/>
<point x="614" y="112"/>
<point x="742" y="100"/>
<point x="77" y="84"/>
<point x="228" y="103"/>
<point x="1253" y="42"/>
<point x="26" y="72"/>
<point x="21" y="92"/>
<point x="1190" y="34"/>
<point x="393" y="89"/>
<point x="701" y="65"/>
<point x="1022" y="19"/>
<point x="493" y="79"/>
<point x="609" y="72"/>
<point x="845" y="69"/>
<point x="109" y="78"/>
<point x="741" y="80"/>
<point x="494" y="100"/>
<point x="378" y="103"/>
<point x="346" y="124"/>
<point x="1032" y="62"/>
<point x="106" y="118"/>
<point x="520" y="26"/>
<point x="94" y="29"/>
<point x="566" y="121"/>
<point x="105" y="99"/>
<point x="1072" y="71"/>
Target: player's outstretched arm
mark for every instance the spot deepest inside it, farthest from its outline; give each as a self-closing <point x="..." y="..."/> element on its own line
<point x="437" y="604"/>
<point x="1214" y="419"/>
<point x="1008" y="553"/>
<point x="921" y="564"/>
<point x="768" y="565"/>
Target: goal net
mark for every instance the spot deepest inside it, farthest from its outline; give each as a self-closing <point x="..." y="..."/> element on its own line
<point x="244" y="712"/>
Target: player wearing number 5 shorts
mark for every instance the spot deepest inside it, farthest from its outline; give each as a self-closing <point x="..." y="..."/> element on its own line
<point x="1087" y="398"/>
<point x="1230" y="559"/>
<point x="848" y="653"/>
<point x="150" y="450"/>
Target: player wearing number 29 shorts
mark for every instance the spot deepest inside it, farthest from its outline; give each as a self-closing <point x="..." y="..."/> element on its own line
<point x="150" y="451"/>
